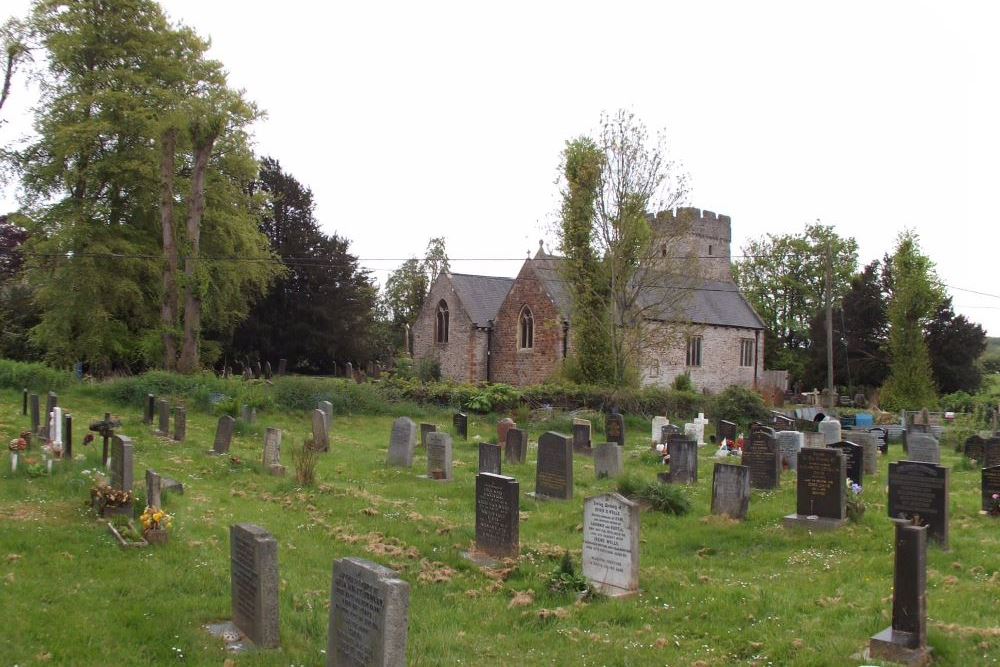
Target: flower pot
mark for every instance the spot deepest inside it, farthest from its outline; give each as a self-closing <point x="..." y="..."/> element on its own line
<point x="156" y="536"/>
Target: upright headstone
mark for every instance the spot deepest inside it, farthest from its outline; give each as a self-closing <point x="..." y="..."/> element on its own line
<point x="991" y="453"/>
<point x="320" y="432"/>
<point x="725" y="431"/>
<point x="163" y="411"/>
<point x="516" y="448"/>
<point x="460" y="421"/>
<point x="614" y="429"/>
<point x="154" y="496"/>
<point x="923" y="447"/>
<point x="922" y="489"/>
<point x="249" y="414"/>
<point x="503" y="426"/>
<point x="608" y="460"/>
<point x="258" y="370"/>
<point x="402" y="442"/>
<point x="253" y="557"/>
<point x="762" y="456"/>
<point x="51" y="401"/>
<point x="272" y="452"/>
<point x="554" y="468"/>
<point x="439" y="453"/>
<point x="349" y="370"/>
<point x="683" y="460"/>
<point x="425" y="429"/>
<point x="282" y="366"/>
<point x="991" y="487"/>
<point x="223" y="435"/>
<point x="122" y="470"/>
<point x="147" y="416"/>
<point x="611" y="544"/>
<point x="657" y="432"/>
<point x="67" y="434"/>
<point x="855" y="455"/>
<point x="973" y="448"/>
<point x="905" y="641"/>
<point x="869" y="449"/>
<point x="581" y="437"/>
<point x="489" y="458"/>
<point x="327" y="408"/>
<point x="35" y="414"/>
<point x="24" y="402"/>
<point x="700" y="422"/>
<point x="830" y="428"/>
<point x="790" y="444"/>
<point x="180" y="423"/>
<point x="821" y="492"/>
<point x="731" y="490"/>
<point x="668" y="432"/>
<point x="369" y="615"/>
<point x="814" y="439"/>
<point x="267" y="370"/>
<point x="497" y="515"/>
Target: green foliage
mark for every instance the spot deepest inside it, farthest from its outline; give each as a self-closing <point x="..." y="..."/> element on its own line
<point x="565" y="579"/>
<point x="739" y="405"/>
<point x="428" y="370"/>
<point x="196" y="389"/>
<point x="493" y="397"/>
<point x="959" y="401"/>
<point x="36" y="377"/>
<point x="955" y="346"/>
<point x="305" y="458"/>
<point x="683" y="383"/>
<point x="666" y="498"/>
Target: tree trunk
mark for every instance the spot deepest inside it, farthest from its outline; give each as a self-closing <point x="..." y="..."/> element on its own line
<point x="189" y="360"/>
<point x="168" y="313"/>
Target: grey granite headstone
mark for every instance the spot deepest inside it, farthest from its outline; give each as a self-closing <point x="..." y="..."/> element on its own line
<point x="789" y="444"/>
<point x="611" y="544"/>
<point x="327" y="408"/>
<point x="869" y="448"/>
<point x="369" y="616"/>
<point x="223" y="435"/>
<point x="608" y="460"/>
<point x="180" y="424"/>
<point x="147" y="416"/>
<point x="762" y="456"/>
<point x="320" y="431"/>
<point x="272" y="452"/>
<point x="921" y="488"/>
<point x="122" y="471"/>
<point x="402" y="442"/>
<point x="614" y="429"/>
<point x="731" y="490"/>
<point x="489" y="458"/>
<point x="905" y="641"/>
<point x="516" y="447"/>
<point x="253" y="558"/>
<point x="923" y="447"/>
<point x="683" y="460"/>
<point x="830" y="428"/>
<point x="554" y="468"/>
<point x="497" y="515"/>
<point x="821" y="491"/>
<point x="424" y="430"/>
<point x="439" y="456"/>
<point x="153" y="489"/>
<point x="163" y="411"/>
<point x="991" y="486"/>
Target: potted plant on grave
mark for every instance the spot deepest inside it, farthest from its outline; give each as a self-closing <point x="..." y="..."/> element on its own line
<point x="109" y="501"/>
<point x="16" y="446"/>
<point x="155" y="525"/>
<point x="855" y="504"/>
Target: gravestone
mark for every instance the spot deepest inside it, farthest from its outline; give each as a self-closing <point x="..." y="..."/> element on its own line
<point x="163" y="411"/>
<point x="369" y="615"/>
<point x="991" y="486"/>
<point x="731" y="490"/>
<point x="790" y="444"/>
<point x="869" y="448"/>
<point x="581" y="437"/>
<point x="503" y="426"/>
<point x="327" y="408"/>
<point x="67" y="434"/>
<point x="320" y="432"/>
<point x="657" y="432"/>
<point x="814" y="439"/>
<point x="267" y="370"/>
<point x="426" y="428"/>
<point x="919" y="488"/>
<point x="460" y="421"/>
<point x="258" y="371"/>
<point x="757" y="427"/>
<point x="725" y="431"/>
<point x="784" y="423"/>
<point x="122" y="471"/>
<point x="282" y="366"/>
<point x="973" y="448"/>
<point x="516" y="448"/>
<point x="608" y="460"/>
<point x="821" y="490"/>
<point x="154" y="484"/>
<point x="905" y="641"/>
<point x="439" y="457"/>
<point x="248" y="414"/>
<point x="497" y="515"/>
<point x="147" y="416"/>
<point x="24" y="402"/>
<point x="855" y="455"/>
<point x="923" y="447"/>
<point x="489" y="458"/>
<point x="830" y="428"/>
<point x="762" y="456"/>
<point x="669" y="432"/>
<point x="349" y="370"/>
<point x="554" y="468"/>
<point x="253" y="558"/>
<point x="272" y="452"/>
<point x="683" y="461"/>
<point x="180" y="424"/>
<point x="611" y="544"/>
<point x="991" y="453"/>
<point x="402" y="442"/>
<point x="51" y="401"/>
<point x="35" y="414"/>
<point x="223" y="435"/>
<point x="701" y="423"/>
<point x="614" y="429"/>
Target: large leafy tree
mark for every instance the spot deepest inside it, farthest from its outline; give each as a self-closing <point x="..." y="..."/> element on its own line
<point x="955" y="345"/>
<point x="322" y="310"/>
<point x="17" y="308"/>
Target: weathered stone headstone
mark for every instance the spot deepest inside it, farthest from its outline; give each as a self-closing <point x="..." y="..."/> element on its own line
<point x="554" y="468"/>
<point x="973" y="448"/>
<point x="223" y="435"/>
<point x="991" y="486"/>
<point x="657" y="432"/>
<point x="869" y="448"/>
<point x="608" y="460"/>
<point x="402" y="442"/>
<point x="821" y="492"/>
<point x="267" y="370"/>
<point x="349" y="370"/>
<point x="762" y="456"/>
<point x="614" y="429"/>
<point x="282" y="366"/>
<point x="320" y="432"/>
<point x="497" y="515"/>
<point x="147" y="416"/>
<point x="163" y="411"/>
<point x="581" y="437"/>
<point x="923" y="447"/>
<point x="247" y="414"/>
<point x="991" y="453"/>
<point x="725" y="431"/>
<point x="258" y="370"/>
<point x="460" y="421"/>
<point x="327" y="408"/>
<point x="122" y="470"/>
<point x="731" y="490"/>
<point x="489" y="458"/>
<point x="700" y="422"/>
<point x="426" y="428"/>
<point x="154" y="483"/>
<point x="611" y="544"/>
<point x="789" y="444"/>
<point x="516" y="448"/>
<point x="272" y="452"/>
<point x="253" y="558"/>
<point x="180" y="424"/>
<point x="830" y="428"/>
<point x="35" y="414"/>
<point x="919" y="488"/>
<point x="683" y="461"/>
<point x="905" y="641"/>
<point x="668" y="432"/>
<point x="503" y="426"/>
<point x="855" y="455"/>
<point x="369" y="616"/>
<point x="813" y="439"/>
<point x="439" y="456"/>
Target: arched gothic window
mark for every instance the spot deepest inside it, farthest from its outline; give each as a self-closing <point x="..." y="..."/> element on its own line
<point x="526" y="337"/>
<point x="441" y="325"/>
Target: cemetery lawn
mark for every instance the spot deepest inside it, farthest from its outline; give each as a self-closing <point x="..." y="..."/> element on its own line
<point x="713" y="592"/>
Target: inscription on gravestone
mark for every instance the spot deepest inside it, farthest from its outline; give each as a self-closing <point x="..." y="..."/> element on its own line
<point x="611" y="543"/>
<point x="762" y="456"/>
<point x="253" y="558"/>
<point x="369" y="616"/>
<point x="991" y="487"/>
<point x="516" y="449"/>
<point x="489" y="458"/>
<point x="439" y="453"/>
<point x="554" y="468"/>
<point x="497" y="515"/>
<point x="725" y="431"/>
<point x="855" y="456"/>
<point x="821" y="485"/>
<point x="789" y="443"/>
<point x="918" y="488"/>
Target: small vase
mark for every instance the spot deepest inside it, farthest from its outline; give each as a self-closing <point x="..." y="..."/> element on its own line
<point x="156" y="536"/>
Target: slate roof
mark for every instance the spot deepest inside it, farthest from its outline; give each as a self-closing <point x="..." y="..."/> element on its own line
<point x="481" y="296"/>
<point x="710" y="302"/>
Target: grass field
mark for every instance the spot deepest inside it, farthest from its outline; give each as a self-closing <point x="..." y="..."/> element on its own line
<point x="713" y="592"/>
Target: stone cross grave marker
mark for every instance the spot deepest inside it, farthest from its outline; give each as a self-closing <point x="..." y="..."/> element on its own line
<point x="180" y="423"/>
<point x="611" y="544"/>
<point x="821" y="491"/>
<point x="920" y="488"/>
<point x="223" y="435"/>
<point x="762" y="456"/>
<point x="272" y="452"/>
<point x="402" y="442"/>
<point x="163" y="412"/>
<point x="516" y="447"/>
<point x="725" y="431"/>
<point x="614" y="429"/>
<point x="731" y="490"/>
<point x="320" y="432"/>
<point x="789" y="444"/>
<point x="154" y="486"/>
<point x="830" y="428"/>
<point x="923" y="447"/>
<point x="905" y="641"/>
<point x="855" y="455"/>
<point x="369" y="615"/>
<point x="581" y="437"/>
<point x="683" y="460"/>
<point x="701" y="423"/>
<point x="608" y="460"/>
<point x="497" y="515"/>
<point x="991" y="486"/>
<point x="554" y="467"/>
<point x="460" y="421"/>
<point x="106" y="429"/>
<point x="147" y="415"/>
<point x="489" y="458"/>
<point x="327" y="408"/>
<point x="439" y="457"/>
<point x="503" y="426"/>
<point x="657" y="432"/>
<point x="426" y="428"/>
<point x="253" y="557"/>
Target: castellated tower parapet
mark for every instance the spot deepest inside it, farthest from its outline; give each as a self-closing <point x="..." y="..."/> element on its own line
<point x="706" y="236"/>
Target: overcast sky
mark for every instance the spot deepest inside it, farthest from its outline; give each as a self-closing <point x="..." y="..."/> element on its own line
<point x="417" y="119"/>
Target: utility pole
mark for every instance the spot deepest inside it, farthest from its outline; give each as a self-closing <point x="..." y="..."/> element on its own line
<point x="829" y="324"/>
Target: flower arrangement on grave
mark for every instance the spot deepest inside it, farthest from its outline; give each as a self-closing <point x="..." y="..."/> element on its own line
<point x="108" y="496"/>
<point x="855" y="503"/>
<point x="34" y="467"/>
<point x="18" y="445"/>
<point x="664" y="452"/>
<point x="154" y="518"/>
<point x="995" y="507"/>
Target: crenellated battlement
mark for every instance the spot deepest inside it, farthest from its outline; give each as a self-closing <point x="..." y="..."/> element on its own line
<point x="703" y="234"/>
<point x="702" y="222"/>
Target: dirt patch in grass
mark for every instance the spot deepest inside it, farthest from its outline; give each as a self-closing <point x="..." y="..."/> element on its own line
<point x="57" y="512"/>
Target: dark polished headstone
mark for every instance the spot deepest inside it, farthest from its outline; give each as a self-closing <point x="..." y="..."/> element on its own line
<point x="614" y="429"/>
<point x="919" y="488"/>
<point x="489" y="458"/>
<point x="725" y="430"/>
<point x="905" y="641"/>
<point x="35" y="413"/>
<point x="425" y="429"/>
<point x="855" y="455"/>
<point x="163" y="413"/>
<point x="554" y="468"/>
<point x="180" y="423"/>
<point x="497" y="515"/>
<point x="67" y="434"/>
<point x="147" y="416"/>
<point x="582" y="437"/>
<point x="762" y="456"/>
<point x="24" y="402"/>
<point x="991" y="453"/>
<point x="991" y="486"/>
<point x="460" y="422"/>
<point x="973" y="448"/>
<point x="821" y="493"/>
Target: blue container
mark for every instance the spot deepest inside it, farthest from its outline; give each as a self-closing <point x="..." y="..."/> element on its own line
<point x="864" y="420"/>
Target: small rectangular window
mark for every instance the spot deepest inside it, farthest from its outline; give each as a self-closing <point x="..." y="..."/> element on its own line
<point x="694" y="351"/>
<point x="746" y="352"/>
